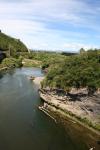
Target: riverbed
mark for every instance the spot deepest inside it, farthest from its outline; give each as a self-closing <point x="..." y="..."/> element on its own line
<point x="24" y="127"/>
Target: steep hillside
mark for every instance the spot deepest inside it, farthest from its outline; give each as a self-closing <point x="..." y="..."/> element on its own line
<point x="7" y="42"/>
<point x="10" y="48"/>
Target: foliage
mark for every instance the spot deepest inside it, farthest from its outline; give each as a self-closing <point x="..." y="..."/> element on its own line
<point x="78" y="71"/>
<point x="10" y="49"/>
<point x="14" y="45"/>
<point x="31" y="63"/>
<point x="46" y="58"/>
<point x="11" y="62"/>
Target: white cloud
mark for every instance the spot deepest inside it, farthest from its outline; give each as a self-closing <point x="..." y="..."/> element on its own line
<point x="74" y="45"/>
<point x="33" y="21"/>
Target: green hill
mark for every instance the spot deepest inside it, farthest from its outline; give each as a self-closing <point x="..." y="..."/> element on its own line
<point x="15" y="45"/>
<point x="10" y="51"/>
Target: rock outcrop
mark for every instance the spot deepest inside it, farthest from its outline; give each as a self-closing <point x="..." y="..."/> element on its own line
<point x="82" y="107"/>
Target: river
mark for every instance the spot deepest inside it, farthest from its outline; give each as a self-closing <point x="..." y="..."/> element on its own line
<point x="23" y="126"/>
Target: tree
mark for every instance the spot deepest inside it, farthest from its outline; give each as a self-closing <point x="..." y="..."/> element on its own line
<point x="82" y="51"/>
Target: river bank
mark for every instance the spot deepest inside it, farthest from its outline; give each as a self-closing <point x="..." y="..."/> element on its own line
<point x="38" y="80"/>
<point x="86" y="111"/>
<point x="23" y="124"/>
<point x="3" y="69"/>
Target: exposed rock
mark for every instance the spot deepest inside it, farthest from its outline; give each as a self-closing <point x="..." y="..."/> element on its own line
<point x="83" y="107"/>
<point x="38" y="80"/>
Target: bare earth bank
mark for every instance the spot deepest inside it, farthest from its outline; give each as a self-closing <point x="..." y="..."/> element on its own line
<point x="82" y="111"/>
<point x="86" y="109"/>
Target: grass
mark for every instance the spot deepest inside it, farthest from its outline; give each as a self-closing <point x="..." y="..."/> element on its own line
<point x="31" y="63"/>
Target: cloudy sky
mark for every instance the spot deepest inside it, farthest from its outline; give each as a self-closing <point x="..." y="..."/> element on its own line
<point x="52" y="24"/>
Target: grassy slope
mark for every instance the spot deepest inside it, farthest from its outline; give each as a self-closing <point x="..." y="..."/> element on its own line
<point x="15" y="44"/>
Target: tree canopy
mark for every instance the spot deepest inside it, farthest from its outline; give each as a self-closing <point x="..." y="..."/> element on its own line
<point x="82" y="70"/>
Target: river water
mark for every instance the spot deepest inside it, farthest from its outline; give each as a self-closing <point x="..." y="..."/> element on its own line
<point x="23" y="126"/>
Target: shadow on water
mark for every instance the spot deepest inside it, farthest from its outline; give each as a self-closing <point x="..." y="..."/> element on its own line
<point x="1" y="75"/>
<point x="23" y="126"/>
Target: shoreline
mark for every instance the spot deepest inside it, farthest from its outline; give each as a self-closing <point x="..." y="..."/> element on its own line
<point x="37" y="81"/>
<point x="3" y="69"/>
<point x="65" y="110"/>
<point x="54" y="105"/>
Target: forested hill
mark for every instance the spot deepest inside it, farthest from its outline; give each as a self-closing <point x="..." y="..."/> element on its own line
<point x="7" y="42"/>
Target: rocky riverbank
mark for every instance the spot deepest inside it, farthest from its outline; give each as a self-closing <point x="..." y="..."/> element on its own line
<point x="84" y="109"/>
<point x="78" y="105"/>
<point x="3" y="69"/>
<point x="77" y="113"/>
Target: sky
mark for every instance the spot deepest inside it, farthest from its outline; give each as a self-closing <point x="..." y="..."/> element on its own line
<point x="66" y="25"/>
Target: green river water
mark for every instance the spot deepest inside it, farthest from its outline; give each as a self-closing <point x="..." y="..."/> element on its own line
<point x="24" y="127"/>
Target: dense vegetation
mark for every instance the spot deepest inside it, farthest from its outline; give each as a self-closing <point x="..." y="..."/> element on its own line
<point x="10" y="49"/>
<point x="12" y="62"/>
<point x="7" y="42"/>
<point x="43" y="58"/>
<point x="77" y="71"/>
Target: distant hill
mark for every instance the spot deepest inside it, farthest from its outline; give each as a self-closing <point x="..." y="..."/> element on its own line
<point x="15" y="45"/>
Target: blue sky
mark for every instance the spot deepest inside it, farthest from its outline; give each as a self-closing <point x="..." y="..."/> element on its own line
<point x="52" y="24"/>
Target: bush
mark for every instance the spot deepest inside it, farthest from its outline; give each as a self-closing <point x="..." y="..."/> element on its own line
<point x="77" y="71"/>
<point x="11" y="62"/>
